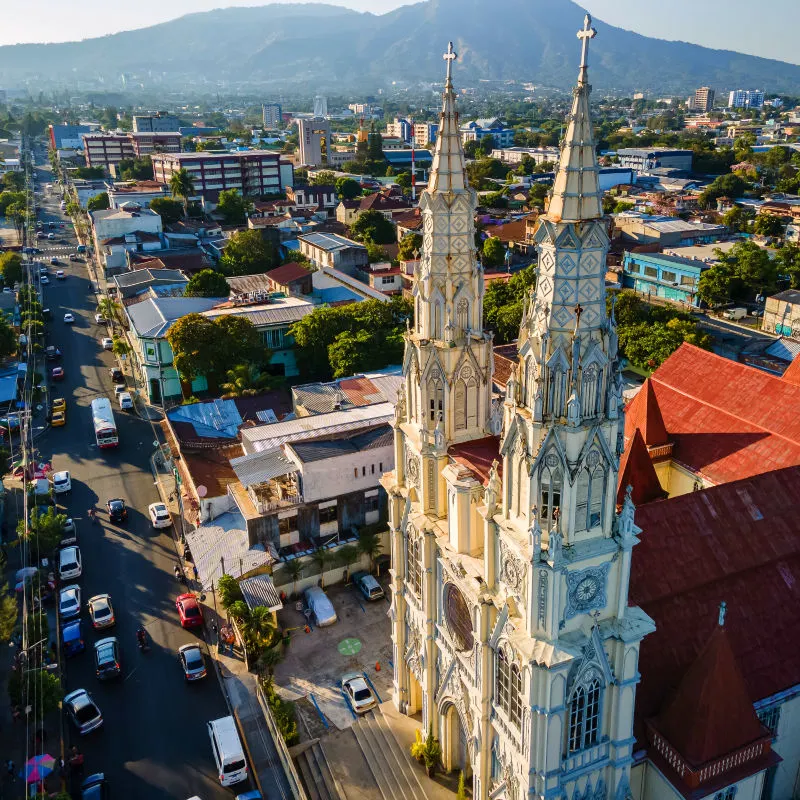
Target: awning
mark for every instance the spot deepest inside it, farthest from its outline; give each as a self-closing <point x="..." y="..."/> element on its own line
<point x="262" y="467"/>
<point x="260" y="591"/>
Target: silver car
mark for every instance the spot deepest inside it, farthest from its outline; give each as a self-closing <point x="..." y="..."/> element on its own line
<point x="320" y="606"/>
<point x="83" y="711"/>
<point x="192" y="661"/>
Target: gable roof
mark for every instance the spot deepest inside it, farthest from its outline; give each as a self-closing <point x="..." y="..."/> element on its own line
<point x="287" y="273"/>
<point x="478" y="456"/>
<point x="645" y="415"/>
<point x="636" y="469"/>
<point x="792" y="374"/>
<point x="727" y="420"/>
<point x="738" y="543"/>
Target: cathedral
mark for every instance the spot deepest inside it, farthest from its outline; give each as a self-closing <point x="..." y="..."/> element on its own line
<point x="512" y="632"/>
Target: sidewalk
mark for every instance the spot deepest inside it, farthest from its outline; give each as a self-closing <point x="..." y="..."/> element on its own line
<point x="238" y="684"/>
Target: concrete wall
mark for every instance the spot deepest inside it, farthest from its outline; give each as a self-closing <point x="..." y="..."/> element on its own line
<point x="787" y="746"/>
<point x="334" y="477"/>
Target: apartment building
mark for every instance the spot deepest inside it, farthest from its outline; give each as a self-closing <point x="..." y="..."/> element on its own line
<point x="272" y="115"/>
<point x="147" y="142"/>
<point x="515" y="155"/>
<point x="252" y="172"/>
<point x="156" y="123"/>
<point x="703" y="100"/>
<point x="425" y="132"/>
<point x="108" y="149"/>
<point x="746" y="98"/>
<point x="315" y="141"/>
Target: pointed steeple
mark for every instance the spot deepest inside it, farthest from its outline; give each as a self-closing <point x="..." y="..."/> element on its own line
<point x="447" y="170"/>
<point x="636" y="469"/>
<point x="644" y="414"/>
<point x="576" y="190"/>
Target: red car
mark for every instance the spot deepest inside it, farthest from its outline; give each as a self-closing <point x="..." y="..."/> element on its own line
<point x="189" y="611"/>
<point x="57" y="374"/>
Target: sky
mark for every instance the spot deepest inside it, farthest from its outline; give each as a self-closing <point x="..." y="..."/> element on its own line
<point x="767" y="29"/>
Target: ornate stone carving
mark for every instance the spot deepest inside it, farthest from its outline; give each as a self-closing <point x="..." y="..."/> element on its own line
<point x="541" y="600"/>
<point x="493" y="489"/>
<point x="512" y="570"/>
<point x="586" y="590"/>
<point x="412" y="469"/>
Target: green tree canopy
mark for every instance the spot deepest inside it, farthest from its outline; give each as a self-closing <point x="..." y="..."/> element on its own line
<point x="9" y="198"/>
<point x="136" y="169"/>
<point x="494" y="253"/>
<point x="729" y="185"/>
<point x="372" y="226"/>
<point x="207" y="283"/>
<point x="90" y="173"/>
<point x="789" y="263"/>
<point x="324" y="178"/>
<point x="169" y="210"/>
<point x="347" y="188"/>
<point x="44" y="530"/>
<point x="11" y="268"/>
<point x="246" y="381"/>
<point x="99" y="202"/>
<point x="8" y="338"/>
<point x="537" y="194"/>
<point x="14" y="181"/>
<point x="248" y="253"/>
<point x="768" y="225"/>
<point x="740" y="274"/>
<point x="181" y="184"/>
<point x="233" y="207"/>
<point x="409" y="245"/>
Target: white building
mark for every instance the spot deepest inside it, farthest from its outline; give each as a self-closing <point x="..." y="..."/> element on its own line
<point x="746" y="98"/>
<point x="127" y="228"/>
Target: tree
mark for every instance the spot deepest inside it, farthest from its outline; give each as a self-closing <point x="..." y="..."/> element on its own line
<point x="11" y="198"/>
<point x="537" y="194"/>
<point x="409" y="245"/>
<point x="46" y="686"/>
<point x="789" y="260"/>
<point x="375" y="253"/>
<point x="119" y="347"/>
<point x="45" y="529"/>
<point x="323" y="558"/>
<point x="229" y="591"/>
<point x="741" y="273"/>
<point x="8" y="338"/>
<point x="169" y="210"/>
<point x="737" y="219"/>
<point x="136" y="169"/>
<point x="207" y="283"/>
<point x="247" y="253"/>
<point x="260" y="626"/>
<point x="494" y="253"/>
<point x="245" y="381"/>
<point x="11" y="268"/>
<point x="296" y="257"/>
<point x="372" y="226"/>
<point x="768" y="225"/>
<point x="9" y="613"/>
<point x="90" y="173"/>
<point x="369" y="544"/>
<point x="294" y="569"/>
<point x="99" y="202"/>
<point x="181" y="184"/>
<point x="729" y="185"/>
<point x="14" y="181"/>
<point x="233" y="207"/>
<point x="347" y="188"/>
<point x="324" y="178"/>
<point x="347" y="555"/>
<point x="375" y="146"/>
<point x="110" y="309"/>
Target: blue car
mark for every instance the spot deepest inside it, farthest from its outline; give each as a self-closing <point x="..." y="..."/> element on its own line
<point x="72" y="639"/>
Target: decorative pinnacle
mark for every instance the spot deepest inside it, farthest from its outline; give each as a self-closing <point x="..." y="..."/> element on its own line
<point x="449" y="56"/>
<point x="723" y="609"/>
<point x="585" y="34"/>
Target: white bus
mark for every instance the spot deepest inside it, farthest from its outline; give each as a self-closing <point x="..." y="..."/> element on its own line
<point x="105" y="429"/>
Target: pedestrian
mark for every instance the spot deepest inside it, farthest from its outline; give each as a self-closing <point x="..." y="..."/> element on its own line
<point x="11" y="768"/>
<point x="196" y="573"/>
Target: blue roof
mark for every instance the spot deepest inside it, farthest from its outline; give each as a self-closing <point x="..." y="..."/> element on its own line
<point x="152" y="318"/>
<point x="337" y="294"/>
<point x="404" y="156"/>
<point x="8" y="385"/>
<point x="214" y="420"/>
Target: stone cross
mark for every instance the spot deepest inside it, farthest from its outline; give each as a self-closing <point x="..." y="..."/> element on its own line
<point x="449" y="56"/>
<point x="578" y="311"/>
<point x="585" y="34"/>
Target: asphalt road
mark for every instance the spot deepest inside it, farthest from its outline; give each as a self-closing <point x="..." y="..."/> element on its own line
<point x="153" y="743"/>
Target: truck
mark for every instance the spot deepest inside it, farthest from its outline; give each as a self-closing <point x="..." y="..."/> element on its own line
<point x="735" y="313"/>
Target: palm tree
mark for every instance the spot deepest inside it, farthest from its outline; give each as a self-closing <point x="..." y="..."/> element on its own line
<point x="259" y="628"/>
<point x="109" y="309"/>
<point x="295" y="569"/>
<point x="346" y="555"/>
<point x="245" y="380"/>
<point x="370" y="545"/>
<point x="181" y="184"/>
<point x="323" y="557"/>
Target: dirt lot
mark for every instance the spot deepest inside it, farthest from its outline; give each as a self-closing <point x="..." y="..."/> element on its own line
<point x="315" y="661"/>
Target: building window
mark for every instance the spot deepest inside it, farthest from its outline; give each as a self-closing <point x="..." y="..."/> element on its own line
<point x="371" y="504"/>
<point x="550" y="484"/>
<point x="508" y="687"/>
<point x="462" y="314"/>
<point x="435" y="400"/>
<point x="770" y="718"/>
<point x="380" y="467"/>
<point x="287" y="525"/>
<point x="669" y="277"/>
<point x="355" y="472"/>
<point x="651" y="272"/>
<point x="329" y="514"/>
<point x="373" y="469"/>
<point x="385" y="280"/>
<point x="590" y="493"/>
<point x="584" y="715"/>
<point x="363" y="471"/>
<point x="688" y="280"/>
<point x="414" y="565"/>
<point x="633" y="267"/>
<point x="726" y="794"/>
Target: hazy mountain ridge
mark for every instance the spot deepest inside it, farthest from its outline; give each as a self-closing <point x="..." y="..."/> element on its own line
<point x="327" y="47"/>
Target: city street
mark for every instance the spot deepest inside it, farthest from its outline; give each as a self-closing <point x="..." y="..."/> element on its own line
<point x="154" y="742"/>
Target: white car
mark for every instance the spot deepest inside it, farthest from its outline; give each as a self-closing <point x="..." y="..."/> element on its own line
<point x="69" y="563"/>
<point x="69" y="602"/>
<point x="69" y="318"/>
<point x="107" y="343"/>
<point x="100" y="319"/>
<point x="358" y="692"/>
<point x="159" y="515"/>
<point x="125" y="401"/>
<point x="120" y="389"/>
<point x="59" y="272"/>
<point x="62" y="482"/>
<point x="101" y="612"/>
<point x="44" y="280"/>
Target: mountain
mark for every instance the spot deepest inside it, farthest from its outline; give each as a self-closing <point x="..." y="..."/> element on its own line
<point x="316" y="47"/>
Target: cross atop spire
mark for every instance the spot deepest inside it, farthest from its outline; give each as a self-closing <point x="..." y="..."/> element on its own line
<point x="586" y="34"/>
<point x="449" y="56"/>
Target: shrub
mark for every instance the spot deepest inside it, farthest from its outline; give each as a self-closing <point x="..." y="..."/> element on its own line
<point x="283" y="711"/>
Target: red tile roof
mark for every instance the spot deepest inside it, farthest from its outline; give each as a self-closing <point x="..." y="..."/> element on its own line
<point x="738" y="543"/>
<point x="711" y="714"/>
<point x="505" y="356"/>
<point x="792" y="373"/>
<point x="287" y="273"/>
<point x="727" y="420"/>
<point x="513" y="231"/>
<point x="644" y="414"/>
<point x="478" y="456"/>
<point x="636" y="469"/>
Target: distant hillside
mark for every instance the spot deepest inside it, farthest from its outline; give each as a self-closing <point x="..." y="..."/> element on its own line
<point x="326" y="48"/>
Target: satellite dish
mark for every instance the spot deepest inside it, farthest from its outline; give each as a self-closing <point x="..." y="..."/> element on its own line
<point x="202" y="491"/>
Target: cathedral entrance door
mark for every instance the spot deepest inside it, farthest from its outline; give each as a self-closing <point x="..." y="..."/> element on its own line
<point x="455" y="747"/>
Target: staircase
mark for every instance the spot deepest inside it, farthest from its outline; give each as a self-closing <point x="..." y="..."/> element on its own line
<point x="315" y="772"/>
<point x="393" y="769"/>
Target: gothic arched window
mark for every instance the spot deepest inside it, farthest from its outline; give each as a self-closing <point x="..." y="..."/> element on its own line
<point x="435" y="388"/>
<point x="551" y="482"/>
<point x="462" y="314"/>
<point x="584" y="714"/>
<point x="436" y="333"/>
<point x="590" y="493"/>
<point x="508" y="687"/>
<point x="530" y="383"/>
<point x="465" y="400"/>
<point x="414" y="562"/>
<point x="557" y="390"/>
<point x="591" y="384"/>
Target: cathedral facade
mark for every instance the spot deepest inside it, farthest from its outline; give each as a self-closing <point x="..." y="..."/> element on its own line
<point x="512" y="633"/>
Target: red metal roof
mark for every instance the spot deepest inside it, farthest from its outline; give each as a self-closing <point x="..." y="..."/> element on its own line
<point x="478" y="456"/>
<point x="727" y="420"/>
<point x="287" y="273"/>
<point x="792" y="373"/>
<point x="644" y="414"/>
<point x="636" y="469"/>
<point x="738" y="543"/>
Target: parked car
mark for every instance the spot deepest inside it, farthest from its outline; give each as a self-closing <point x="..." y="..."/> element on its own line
<point x="69" y="563"/>
<point x="95" y="787"/>
<point x="54" y="261"/>
<point x="125" y="400"/>
<point x="116" y="510"/>
<point x="116" y="375"/>
<point x="106" y="343"/>
<point x="358" y="692"/>
<point x="60" y="272"/>
<point x="44" y="280"/>
<point x="69" y="533"/>
<point x="58" y="419"/>
<point x="72" y="639"/>
<point x="62" y="482"/>
<point x="101" y="612"/>
<point x="107" y="660"/>
<point x="367" y="585"/>
<point x="120" y="389"/>
<point x="59" y="404"/>
<point x="52" y="353"/>
<point x="83" y="711"/>
<point x="57" y="373"/>
<point x="192" y="661"/>
<point x="69" y="318"/>
<point x="69" y="602"/>
<point x="100" y="319"/>
<point x="189" y="611"/>
<point x="320" y="606"/>
<point x="159" y="515"/>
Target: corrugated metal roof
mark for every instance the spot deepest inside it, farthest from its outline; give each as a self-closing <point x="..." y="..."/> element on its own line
<point x="215" y="419"/>
<point x="358" y="390"/>
<point x="268" y="437"/>
<point x="320" y="449"/>
<point x="262" y="466"/>
<point x="271" y="316"/>
<point x="329" y="241"/>
<point x="785" y="349"/>
<point x="153" y="317"/>
<point x="260" y="591"/>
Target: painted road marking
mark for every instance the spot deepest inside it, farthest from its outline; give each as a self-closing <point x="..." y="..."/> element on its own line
<point x="349" y="647"/>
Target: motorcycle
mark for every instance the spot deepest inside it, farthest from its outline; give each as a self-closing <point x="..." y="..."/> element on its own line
<point x="141" y="640"/>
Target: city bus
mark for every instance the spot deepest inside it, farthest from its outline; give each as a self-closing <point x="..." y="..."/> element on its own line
<point x="105" y="429"/>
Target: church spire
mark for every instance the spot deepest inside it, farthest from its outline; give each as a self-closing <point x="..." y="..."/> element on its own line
<point x="576" y="190"/>
<point x="447" y="170"/>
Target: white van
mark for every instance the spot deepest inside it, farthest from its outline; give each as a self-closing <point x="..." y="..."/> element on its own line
<point x="228" y="751"/>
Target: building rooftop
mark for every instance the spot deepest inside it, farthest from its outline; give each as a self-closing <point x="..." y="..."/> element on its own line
<point x="691" y="263"/>
<point x="215" y="154"/>
<point x="329" y="242"/>
<point x="126" y="212"/>
<point x="317" y="450"/>
<point x="727" y="420"/>
<point x="287" y="273"/>
<point x="152" y="318"/>
<point x="788" y="296"/>
<point x="277" y="311"/>
<point x="358" y="390"/>
<point x="478" y="456"/>
<point x="142" y="277"/>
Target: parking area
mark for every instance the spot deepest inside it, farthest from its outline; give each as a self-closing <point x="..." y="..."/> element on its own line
<point x="312" y="669"/>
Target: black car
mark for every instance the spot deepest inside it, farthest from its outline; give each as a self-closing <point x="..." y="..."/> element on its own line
<point x="116" y="375"/>
<point x="116" y="510"/>
<point x="52" y="353"/>
<point x="95" y="787"/>
<point x="106" y="659"/>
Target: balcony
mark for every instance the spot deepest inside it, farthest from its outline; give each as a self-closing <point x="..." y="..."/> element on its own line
<point x="259" y="499"/>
